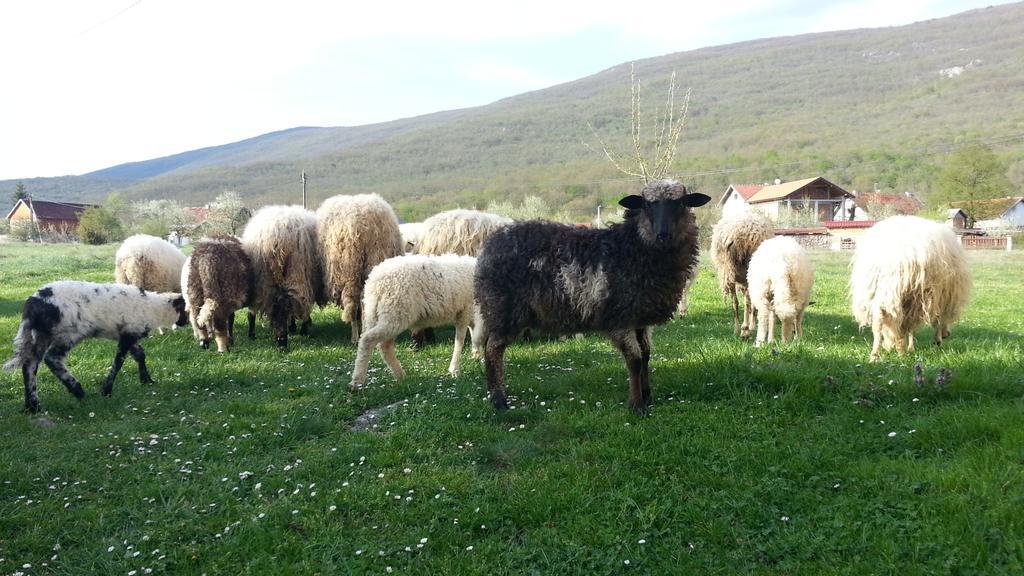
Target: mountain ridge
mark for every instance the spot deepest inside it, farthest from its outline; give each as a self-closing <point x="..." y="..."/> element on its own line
<point x="857" y="106"/>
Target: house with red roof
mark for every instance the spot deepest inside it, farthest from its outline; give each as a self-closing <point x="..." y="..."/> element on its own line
<point x="821" y="199"/>
<point x="878" y="206"/>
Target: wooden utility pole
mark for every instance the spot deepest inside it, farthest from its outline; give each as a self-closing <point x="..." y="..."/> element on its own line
<point x="303" y="188"/>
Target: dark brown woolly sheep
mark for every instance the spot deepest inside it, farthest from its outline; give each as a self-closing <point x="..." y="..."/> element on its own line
<point x="621" y="280"/>
<point x="219" y="283"/>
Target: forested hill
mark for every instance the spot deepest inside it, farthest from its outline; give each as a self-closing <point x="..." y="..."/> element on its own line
<point x="863" y="108"/>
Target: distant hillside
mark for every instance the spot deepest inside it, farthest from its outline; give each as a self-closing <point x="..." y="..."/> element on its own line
<point x="864" y="108"/>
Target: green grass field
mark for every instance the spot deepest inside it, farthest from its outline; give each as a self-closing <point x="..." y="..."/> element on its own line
<point x="798" y="460"/>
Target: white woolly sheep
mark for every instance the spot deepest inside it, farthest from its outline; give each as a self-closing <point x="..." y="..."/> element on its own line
<point x="779" y="282"/>
<point x="733" y="242"/>
<point x="219" y="283"/>
<point x="62" y="314"/>
<point x="356" y="233"/>
<point x="287" y="278"/>
<point x="150" y="263"/>
<point x="458" y="232"/>
<point x="906" y="272"/>
<point x="411" y="234"/>
<point x="415" y="291"/>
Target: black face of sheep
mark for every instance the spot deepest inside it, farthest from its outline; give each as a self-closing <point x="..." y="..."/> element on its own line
<point x="280" y="318"/>
<point x="621" y="281"/>
<point x="179" y="307"/>
<point x="661" y="216"/>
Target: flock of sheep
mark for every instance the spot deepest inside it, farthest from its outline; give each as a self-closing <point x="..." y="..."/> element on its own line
<point x="487" y="274"/>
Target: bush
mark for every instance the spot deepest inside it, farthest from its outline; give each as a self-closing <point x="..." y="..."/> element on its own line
<point x="5" y="226"/>
<point x="24" y="232"/>
<point x="99" y="225"/>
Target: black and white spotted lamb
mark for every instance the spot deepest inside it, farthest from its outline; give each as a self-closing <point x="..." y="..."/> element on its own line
<point x="621" y="280"/>
<point x="62" y="314"/>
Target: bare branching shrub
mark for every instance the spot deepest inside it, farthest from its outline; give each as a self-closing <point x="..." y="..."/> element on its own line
<point x="651" y="158"/>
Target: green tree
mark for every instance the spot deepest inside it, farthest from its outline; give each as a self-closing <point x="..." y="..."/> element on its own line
<point x="99" y="225"/>
<point x="19" y="192"/>
<point x="973" y="173"/>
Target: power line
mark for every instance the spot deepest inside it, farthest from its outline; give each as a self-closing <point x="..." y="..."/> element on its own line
<point x="109" y="19"/>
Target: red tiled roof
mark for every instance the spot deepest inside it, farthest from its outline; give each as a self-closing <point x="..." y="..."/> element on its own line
<point x="747" y="190"/>
<point x="46" y="210"/>
<point x="199" y="214"/>
<point x="907" y="205"/>
<point x="847" y="224"/>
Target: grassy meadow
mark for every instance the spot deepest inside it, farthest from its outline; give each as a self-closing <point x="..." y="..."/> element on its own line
<point x="800" y="459"/>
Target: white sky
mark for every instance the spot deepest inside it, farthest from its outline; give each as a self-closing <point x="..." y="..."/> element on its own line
<point x="90" y="84"/>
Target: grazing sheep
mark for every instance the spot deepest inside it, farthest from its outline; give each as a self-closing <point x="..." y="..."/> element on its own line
<point x="62" y="314"/>
<point x="455" y="232"/>
<point x="282" y="247"/>
<point x="415" y="291"/>
<point x="150" y="263"/>
<point x="458" y="232"/>
<point x="411" y="234"/>
<point x="905" y="272"/>
<point x="356" y="233"/>
<point x="620" y="280"/>
<point x="779" y="283"/>
<point x="733" y="242"/>
<point x="219" y="282"/>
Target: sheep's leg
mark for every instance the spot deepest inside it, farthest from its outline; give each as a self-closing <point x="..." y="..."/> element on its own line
<point x="684" y="302"/>
<point x="626" y="342"/>
<point x="387" y="351"/>
<point x="643" y="338"/>
<point x="140" y="358"/>
<point x="221" y="331"/>
<point x="369" y="340"/>
<point x="460" y="334"/>
<point x="304" y="327"/>
<point x="122" y="350"/>
<point x="355" y="329"/>
<point x="292" y="326"/>
<point x="494" y="366"/>
<point x="748" y="314"/>
<point x="29" y="368"/>
<point x="735" y="312"/>
<point x="54" y="359"/>
<point x="910" y="343"/>
<point x="799" y="326"/>
<point x="762" y="327"/>
<point x="252" y="324"/>
<point x="876" y="332"/>
<point x="231" y="329"/>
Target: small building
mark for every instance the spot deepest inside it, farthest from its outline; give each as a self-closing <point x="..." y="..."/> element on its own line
<point x="59" y="217"/>
<point x="878" y="206"/>
<point x="957" y="218"/>
<point x="845" y="234"/>
<point x="995" y="213"/>
<point x="822" y="199"/>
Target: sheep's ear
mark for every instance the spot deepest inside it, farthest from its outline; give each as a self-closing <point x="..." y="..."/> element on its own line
<point x="632" y="202"/>
<point x="696" y="199"/>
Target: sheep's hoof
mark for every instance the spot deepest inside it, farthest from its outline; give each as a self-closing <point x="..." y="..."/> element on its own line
<point x="106" y="391"/>
<point x="77" y="392"/>
<point x="642" y="410"/>
<point x="204" y="344"/>
<point x="354" y="386"/>
<point x="146" y="379"/>
<point x="499" y="401"/>
<point x="31" y="407"/>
